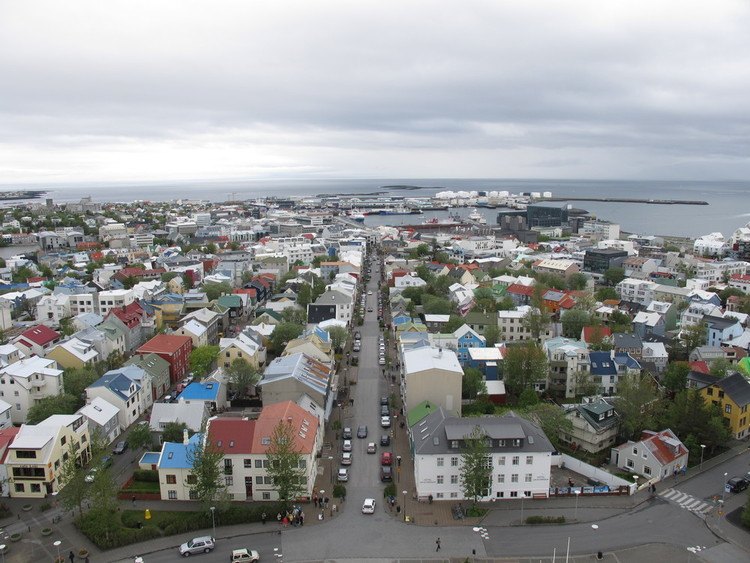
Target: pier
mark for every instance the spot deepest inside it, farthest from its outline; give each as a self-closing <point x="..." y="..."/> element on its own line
<point x="629" y="200"/>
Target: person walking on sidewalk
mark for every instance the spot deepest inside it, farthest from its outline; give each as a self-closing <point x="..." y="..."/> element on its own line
<point x="437" y="543"/>
<point x="72" y="557"/>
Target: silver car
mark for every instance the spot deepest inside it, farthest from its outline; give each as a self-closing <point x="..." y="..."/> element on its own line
<point x="203" y="544"/>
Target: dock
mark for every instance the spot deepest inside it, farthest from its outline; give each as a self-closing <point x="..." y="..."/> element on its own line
<point x="629" y="200"/>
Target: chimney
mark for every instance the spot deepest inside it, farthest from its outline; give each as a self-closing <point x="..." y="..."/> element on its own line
<point x="185" y="437"/>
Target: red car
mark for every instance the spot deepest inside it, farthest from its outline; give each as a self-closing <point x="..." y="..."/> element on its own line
<point x="386" y="458"/>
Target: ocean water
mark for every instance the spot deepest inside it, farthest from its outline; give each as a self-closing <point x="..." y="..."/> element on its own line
<point x="728" y="209"/>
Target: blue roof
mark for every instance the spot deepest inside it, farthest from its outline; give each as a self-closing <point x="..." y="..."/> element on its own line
<point x="174" y="455"/>
<point x="201" y="392"/>
<point x="118" y="383"/>
<point x="152" y="458"/>
<point x="324" y="335"/>
<point x="602" y="363"/>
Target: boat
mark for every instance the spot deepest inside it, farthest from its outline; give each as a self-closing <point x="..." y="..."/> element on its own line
<point x="477" y="217"/>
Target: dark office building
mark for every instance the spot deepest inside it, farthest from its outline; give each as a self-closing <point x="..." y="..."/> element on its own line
<point x="543" y="216"/>
<point x="599" y="260"/>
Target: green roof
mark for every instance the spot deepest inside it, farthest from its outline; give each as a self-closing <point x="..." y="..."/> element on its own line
<point x="230" y="301"/>
<point x="419" y="412"/>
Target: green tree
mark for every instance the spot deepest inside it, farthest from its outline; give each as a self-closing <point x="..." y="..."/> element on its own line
<point x="524" y="364"/>
<point x="537" y="319"/>
<point x="414" y="294"/>
<point x="551" y="419"/>
<point x="434" y="305"/>
<point x="573" y="322"/>
<point x="454" y="323"/>
<point x="636" y="404"/>
<point x="577" y="282"/>
<point x="585" y="383"/>
<point x="54" y="404"/>
<point x="720" y="367"/>
<point x="140" y="436"/>
<point x="528" y="398"/>
<point x="66" y="326"/>
<point x="605" y="293"/>
<point x="215" y="290"/>
<point x="188" y="283"/>
<point x="675" y="376"/>
<point x="304" y="296"/>
<point x="76" y="380"/>
<point x="281" y="335"/>
<point x="175" y="432"/>
<point x="473" y="383"/>
<point x="491" y="335"/>
<point x="689" y="414"/>
<point x="475" y="471"/>
<point x="206" y="481"/>
<point x="72" y="480"/>
<point x="613" y="276"/>
<point x="338" y="335"/>
<point x="692" y="337"/>
<point x="242" y="375"/>
<point x="295" y="315"/>
<point x="284" y="462"/>
<point x="620" y="322"/>
<point x="202" y="358"/>
<point x="506" y="304"/>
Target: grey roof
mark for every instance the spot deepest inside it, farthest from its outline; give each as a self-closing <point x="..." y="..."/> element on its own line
<point x="434" y="433"/>
<point x="701" y="379"/>
<point x="737" y="387"/>
<point x="627" y="340"/>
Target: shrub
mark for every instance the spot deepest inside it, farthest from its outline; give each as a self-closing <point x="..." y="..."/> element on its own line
<point x="147" y="475"/>
<point x="545" y="520"/>
<point x="339" y="491"/>
<point x="389" y="490"/>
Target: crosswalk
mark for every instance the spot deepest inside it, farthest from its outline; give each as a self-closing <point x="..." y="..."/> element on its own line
<point x="700" y="507"/>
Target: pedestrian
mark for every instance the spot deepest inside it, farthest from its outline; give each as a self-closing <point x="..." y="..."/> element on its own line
<point x="72" y="557"/>
<point x="437" y="543"/>
<point x="263" y="518"/>
<point x="301" y="518"/>
<point x="133" y="499"/>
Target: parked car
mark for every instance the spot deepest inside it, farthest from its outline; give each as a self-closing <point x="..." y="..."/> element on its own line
<point x="386" y="473"/>
<point x="347" y="433"/>
<point x="343" y="475"/>
<point x="385" y="410"/>
<point x="105" y="462"/>
<point x="737" y="484"/>
<point x="386" y="458"/>
<point x="362" y="431"/>
<point x="368" y="507"/>
<point x="347" y="446"/>
<point x="372" y="448"/>
<point x="244" y="556"/>
<point x="120" y="447"/>
<point x="383" y="401"/>
<point x="346" y="458"/>
<point x="385" y="421"/>
<point x="381" y="361"/>
<point x="385" y="440"/>
<point x="202" y="544"/>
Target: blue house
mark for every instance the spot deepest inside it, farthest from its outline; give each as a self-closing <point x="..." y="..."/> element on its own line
<point x="467" y="338"/>
<point x="175" y="468"/>
<point x="212" y="393"/>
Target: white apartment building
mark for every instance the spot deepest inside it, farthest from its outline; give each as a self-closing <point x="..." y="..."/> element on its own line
<point x="114" y="299"/>
<point x="637" y="291"/>
<point x="26" y="382"/>
<point x="518" y="464"/>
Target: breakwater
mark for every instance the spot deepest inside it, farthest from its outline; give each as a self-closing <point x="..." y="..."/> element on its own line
<point x="629" y="200"/>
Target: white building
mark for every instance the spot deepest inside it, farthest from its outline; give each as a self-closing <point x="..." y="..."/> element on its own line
<point x="28" y="381"/>
<point x="518" y="462"/>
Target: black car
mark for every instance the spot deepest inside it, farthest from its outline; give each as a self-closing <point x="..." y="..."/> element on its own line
<point x="737" y="484"/>
<point x="347" y="433"/>
<point x="386" y="473"/>
<point x="383" y="401"/>
<point x="362" y="431"/>
<point x="120" y="447"/>
<point x="385" y="440"/>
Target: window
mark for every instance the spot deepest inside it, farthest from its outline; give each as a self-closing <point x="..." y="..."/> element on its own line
<point x="259" y="480"/>
<point x="248" y="463"/>
<point x="191" y="480"/>
<point x="440" y="462"/>
<point x="63" y="440"/>
<point x="171" y="479"/>
<point x="710" y="391"/>
<point x="440" y="479"/>
<point x="647" y="470"/>
<point x="266" y="496"/>
<point x="514" y="478"/>
<point x="172" y="495"/>
<point x="516" y="460"/>
<point x="635" y="451"/>
<point x="454" y="479"/>
<point x="454" y="495"/>
<point x="439" y="495"/>
<point x="193" y="494"/>
<point x="36" y="488"/>
<point x="728" y="408"/>
<point x="229" y="481"/>
<point x="529" y="459"/>
<point x="454" y="462"/>
<point x="527" y="478"/>
<point x="501" y="478"/>
<point x="514" y="494"/>
<point x="19" y="487"/>
<point x="454" y="444"/>
<point x="501" y="460"/>
<point x="629" y="463"/>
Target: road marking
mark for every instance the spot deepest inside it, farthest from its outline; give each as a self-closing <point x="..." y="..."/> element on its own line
<point x="687" y="501"/>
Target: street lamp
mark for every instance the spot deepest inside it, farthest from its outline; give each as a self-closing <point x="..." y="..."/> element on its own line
<point x="577" y="493"/>
<point x="598" y="553"/>
<point x="213" y="521"/>
<point x="57" y="545"/>
<point x="724" y="490"/>
<point x="2" y="550"/>
<point x="404" y="503"/>
<point x="703" y="447"/>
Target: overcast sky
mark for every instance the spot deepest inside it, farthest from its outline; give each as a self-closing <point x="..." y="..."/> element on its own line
<point x="177" y="89"/>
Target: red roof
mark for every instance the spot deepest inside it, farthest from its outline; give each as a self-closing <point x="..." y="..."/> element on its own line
<point x="41" y="335"/>
<point x="164" y="343"/>
<point x="308" y="236"/>
<point x="656" y="442"/>
<point x="232" y="435"/>
<point x="7" y="436"/>
<point x="590" y="331"/>
<point x="700" y="366"/>
<point x="251" y="291"/>
<point x="740" y="277"/>
<point x="305" y="426"/>
<point x="520" y="289"/>
<point x="131" y="315"/>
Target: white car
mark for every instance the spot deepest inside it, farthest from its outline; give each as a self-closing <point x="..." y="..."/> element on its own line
<point x="347" y="447"/>
<point x="385" y="421"/>
<point x="343" y="475"/>
<point x="381" y="361"/>
<point x="244" y="556"/>
<point x="368" y="507"/>
<point x="203" y="544"/>
<point x="346" y="458"/>
<point x="372" y="448"/>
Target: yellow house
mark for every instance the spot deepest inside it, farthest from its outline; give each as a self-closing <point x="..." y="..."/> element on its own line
<point x="732" y="394"/>
<point x="243" y="347"/>
<point x="74" y="354"/>
<point x="36" y="456"/>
